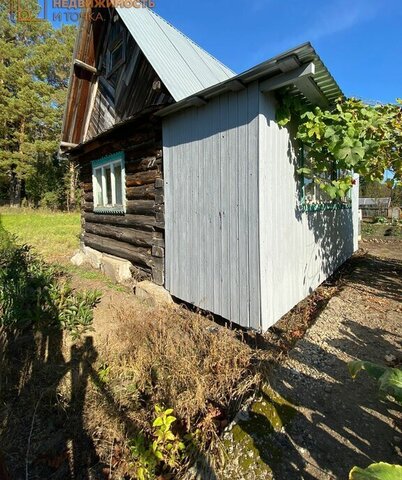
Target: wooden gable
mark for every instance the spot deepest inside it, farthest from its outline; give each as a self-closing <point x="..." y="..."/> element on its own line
<point x="111" y="80"/>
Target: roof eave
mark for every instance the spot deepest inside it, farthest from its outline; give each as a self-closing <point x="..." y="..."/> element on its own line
<point x="305" y="54"/>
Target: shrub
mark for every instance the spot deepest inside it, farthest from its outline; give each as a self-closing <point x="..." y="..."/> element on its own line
<point x="35" y="294"/>
<point x="50" y="200"/>
<point x="381" y="220"/>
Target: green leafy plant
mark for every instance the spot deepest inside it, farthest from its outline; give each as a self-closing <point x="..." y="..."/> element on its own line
<point x="350" y="136"/>
<point x="164" y="452"/>
<point x="389" y="379"/>
<point x="35" y="294"/>
<point x="389" y="383"/>
<point x="103" y="373"/>
<point x="377" y="471"/>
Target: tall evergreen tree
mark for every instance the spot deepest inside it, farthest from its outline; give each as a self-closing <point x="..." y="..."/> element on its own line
<point x="35" y="61"/>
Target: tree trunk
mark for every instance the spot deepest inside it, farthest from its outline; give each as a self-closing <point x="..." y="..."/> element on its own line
<point x="15" y="191"/>
<point x="72" y="198"/>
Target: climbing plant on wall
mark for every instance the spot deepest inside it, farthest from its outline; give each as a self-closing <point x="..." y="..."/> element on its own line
<point x="350" y="136"/>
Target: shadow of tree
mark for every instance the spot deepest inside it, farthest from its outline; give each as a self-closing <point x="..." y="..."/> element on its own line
<point x="343" y="423"/>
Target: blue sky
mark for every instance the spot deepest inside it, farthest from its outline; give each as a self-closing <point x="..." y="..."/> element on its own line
<point x="360" y="41"/>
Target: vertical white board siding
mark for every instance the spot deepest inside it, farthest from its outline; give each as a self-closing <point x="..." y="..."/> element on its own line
<point x="298" y="249"/>
<point x="211" y="206"/>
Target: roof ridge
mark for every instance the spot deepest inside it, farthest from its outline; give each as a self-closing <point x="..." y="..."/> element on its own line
<point x="152" y="12"/>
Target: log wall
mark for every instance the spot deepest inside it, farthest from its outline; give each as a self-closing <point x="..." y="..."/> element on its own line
<point x="137" y="236"/>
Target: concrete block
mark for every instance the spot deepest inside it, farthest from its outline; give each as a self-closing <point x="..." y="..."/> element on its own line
<point x="117" y="269"/>
<point x="93" y="257"/>
<point x="78" y="258"/>
<point x="155" y="294"/>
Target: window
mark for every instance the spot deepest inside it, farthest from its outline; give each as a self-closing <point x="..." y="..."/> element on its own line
<point x="109" y="184"/>
<point x="313" y="197"/>
<point x="116" y="56"/>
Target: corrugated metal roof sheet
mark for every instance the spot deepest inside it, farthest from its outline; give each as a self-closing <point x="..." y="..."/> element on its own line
<point x="305" y="54"/>
<point x="183" y="66"/>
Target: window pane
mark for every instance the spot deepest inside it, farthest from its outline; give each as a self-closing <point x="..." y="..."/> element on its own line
<point x="98" y="187"/>
<point x="116" y="56"/>
<point x="108" y="177"/>
<point x="118" y="184"/>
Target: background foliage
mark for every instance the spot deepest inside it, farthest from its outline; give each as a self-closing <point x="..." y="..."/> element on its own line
<point x="350" y="136"/>
<point x="35" y="61"/>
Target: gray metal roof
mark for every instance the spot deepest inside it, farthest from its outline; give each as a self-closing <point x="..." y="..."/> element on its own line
<point x="183" y="66"/>
<point x="304" y="53"/>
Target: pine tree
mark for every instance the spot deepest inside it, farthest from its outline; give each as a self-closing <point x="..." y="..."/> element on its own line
<point x="35" y="61"/>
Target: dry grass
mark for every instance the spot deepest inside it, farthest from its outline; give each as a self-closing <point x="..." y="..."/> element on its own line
<point x="177" y="359"/>
<point x="166" y="356"/>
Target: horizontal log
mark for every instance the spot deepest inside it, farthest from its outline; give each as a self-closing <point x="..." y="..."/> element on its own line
<point x="142" y="222"/>
<point x="142" y="178"/>
<point x="132" y="236"/>
<point x="141" y="207"/>
<point x="148" y="147"/>
<point x="121" y="250"/>
<point x="89" y="197"/>
<point x="142" y="164"/>
<point x="145" y="192"/>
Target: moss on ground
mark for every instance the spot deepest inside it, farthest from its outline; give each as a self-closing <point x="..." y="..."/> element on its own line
<point x="252" y="451"/>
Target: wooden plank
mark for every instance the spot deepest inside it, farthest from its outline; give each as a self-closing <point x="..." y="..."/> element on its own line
<point x="80" y="64"/>
<point x="132" y="236"/>
<point x="119" y="249"/>
<point x="143" y="222"/>
<point x="142" y="178"/>
<point x="287" y="78"/>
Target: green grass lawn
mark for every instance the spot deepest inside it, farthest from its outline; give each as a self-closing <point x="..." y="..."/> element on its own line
<point x="53" y="235"/>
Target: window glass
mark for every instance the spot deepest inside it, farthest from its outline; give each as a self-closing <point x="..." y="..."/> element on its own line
<point x="98" y="187"/>
<point x="116" y="56"/>
<point x="108" y="184"/>
<point x="118" y="184"/>
<point x="108" y="178"/>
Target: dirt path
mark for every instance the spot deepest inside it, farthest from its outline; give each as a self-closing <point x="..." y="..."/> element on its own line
<point x="331" y="422"/>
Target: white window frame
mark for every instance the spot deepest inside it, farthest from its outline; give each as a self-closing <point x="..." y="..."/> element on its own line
<point x="102" y="164"/>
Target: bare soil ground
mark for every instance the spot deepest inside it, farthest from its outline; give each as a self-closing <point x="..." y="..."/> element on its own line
<point x="331" y="422"/>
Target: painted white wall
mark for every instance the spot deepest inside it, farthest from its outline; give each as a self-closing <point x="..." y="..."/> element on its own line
<point x="298" y="249"/>
<point x="211" y="206"/>
<point x="238" y="243"/>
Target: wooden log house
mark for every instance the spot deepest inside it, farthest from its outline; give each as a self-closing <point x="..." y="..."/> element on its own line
<point x="187" y="175"/>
